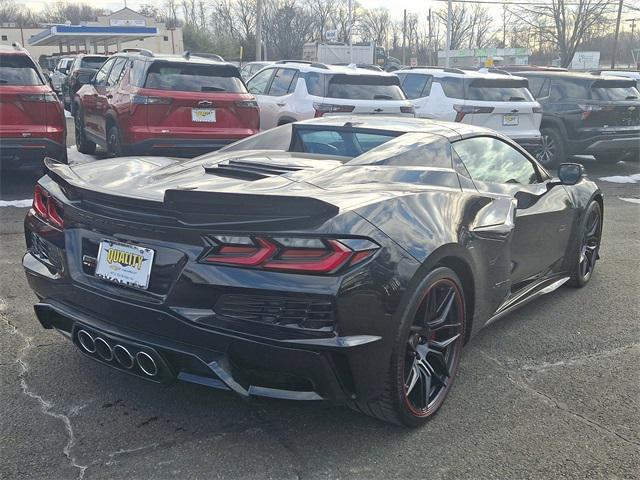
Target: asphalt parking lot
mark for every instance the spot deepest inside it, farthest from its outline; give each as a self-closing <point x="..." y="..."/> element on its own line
<point x="552" y="391"/>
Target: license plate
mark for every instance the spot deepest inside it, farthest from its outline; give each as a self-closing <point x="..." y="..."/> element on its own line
<point x="510" y="120"/>
<point x="125" y="264"/>
<point x="203" y="115"/>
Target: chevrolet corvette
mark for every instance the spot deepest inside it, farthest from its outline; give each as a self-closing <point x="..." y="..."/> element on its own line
<point x="345" y="259"/>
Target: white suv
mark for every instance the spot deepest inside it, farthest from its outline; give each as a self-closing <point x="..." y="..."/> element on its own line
<point x="500" y="102"/>
<point x="288" y="91"/>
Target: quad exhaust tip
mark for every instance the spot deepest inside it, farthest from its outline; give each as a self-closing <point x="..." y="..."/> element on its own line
<point x="123" y="357"/>
<point x="103" y="349"/>
<point x="147" y="364"/>
<point x="85" y="339"/>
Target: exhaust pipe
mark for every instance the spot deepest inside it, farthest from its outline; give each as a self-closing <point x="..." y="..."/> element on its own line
<point x="103" y="349"/>
<point x="86" y="341"/>
<point x="147" y="364"/>
<point x="123" y="357"/>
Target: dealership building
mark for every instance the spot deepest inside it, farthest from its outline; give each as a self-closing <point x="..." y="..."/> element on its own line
<point x="124" y="28"/>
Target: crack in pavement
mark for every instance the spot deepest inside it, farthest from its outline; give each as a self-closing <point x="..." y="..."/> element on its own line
<point x="581" y="359"/>
<point x="126" y="451"/>
<point x="517" y="379"/>
<point x="45" y="405"/>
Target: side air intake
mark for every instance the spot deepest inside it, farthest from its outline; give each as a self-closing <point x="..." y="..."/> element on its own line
<point x="250" y="170"/>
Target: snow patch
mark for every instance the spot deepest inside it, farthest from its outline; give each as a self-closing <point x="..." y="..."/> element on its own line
<point x="635" y="178"/>
<point x="16" y="203"/>
<point x="630" y="200"/>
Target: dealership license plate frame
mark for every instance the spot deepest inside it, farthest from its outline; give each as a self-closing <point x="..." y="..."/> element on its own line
<point x="203" y="115"/>
<point x="124" y="274"/>
<point x="510" y="120"/>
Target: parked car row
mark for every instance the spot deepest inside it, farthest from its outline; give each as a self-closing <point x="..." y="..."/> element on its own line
<point x="136" y="102"/>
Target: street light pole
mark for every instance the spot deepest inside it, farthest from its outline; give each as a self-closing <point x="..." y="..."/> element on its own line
<point x="447" y="53"/>
<point x="258" y="30"/>
<point x="350" y="39"/>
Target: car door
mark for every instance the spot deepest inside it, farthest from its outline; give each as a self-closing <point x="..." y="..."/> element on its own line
<point x="544" y="211"/>
<point x="259" y="86"/>
<point x="279" y="97"/>
<point x="94" y="102"/>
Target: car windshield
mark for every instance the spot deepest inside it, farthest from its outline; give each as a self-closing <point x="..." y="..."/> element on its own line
<point x="614" y="93"/>
<point x="364" y="87"/>
<point x="340" y="142"/>
<point x="92" y="62"/>
<point x="190" y="77"/>
<point x="499" y="91"/>
<point x="18" y="70"/>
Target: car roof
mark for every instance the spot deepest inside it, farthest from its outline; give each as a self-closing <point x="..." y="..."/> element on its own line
<point x="570" y="75"/>
<point x="328" y="69"/>
<point x="165" y="57"/>
<point x="450" y="130"/>
<point x="11" y="50"/>
<point x="455" y="72"/>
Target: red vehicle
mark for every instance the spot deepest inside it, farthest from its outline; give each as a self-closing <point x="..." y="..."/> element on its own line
<point x="32" y="124"/>
<point x="141" y="103"/>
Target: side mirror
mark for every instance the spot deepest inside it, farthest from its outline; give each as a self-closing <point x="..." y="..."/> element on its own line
<point x="571" y="173"/>
<point x="85" y="78"/>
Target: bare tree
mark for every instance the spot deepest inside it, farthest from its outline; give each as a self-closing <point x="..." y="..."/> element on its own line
<point x="323" y="11"/>
<point x="374" y="24"/>
<point x="288" y="25"/>
<point x="460" y="23"/>
<point x="566" y="23"/>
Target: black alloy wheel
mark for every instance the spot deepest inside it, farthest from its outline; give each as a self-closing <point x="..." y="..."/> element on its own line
<point x="589" y="247"/>
<point x="433" y="348"/>
<point x="426" y="353"/>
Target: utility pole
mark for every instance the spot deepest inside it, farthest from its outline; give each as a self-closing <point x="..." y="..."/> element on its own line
<point x="350" y="38"/>
<point x="404" y="36"/>
<point x="430" y="55"/>
<point x="615" y="41"/>
<point x="258" y="30"/>
<point x="448" y="53"/>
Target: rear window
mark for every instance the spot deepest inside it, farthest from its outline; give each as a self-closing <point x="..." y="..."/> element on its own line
<point x="365" y="87"/>
<point x="92" y="62"/>
<point x="499" y="91"/>
<point x="190" y="77"/>
<point x="18" y="70"/>
<point x="613" y="91"/>
<point x="453" y="87"/>
<point x="344" y="143"/>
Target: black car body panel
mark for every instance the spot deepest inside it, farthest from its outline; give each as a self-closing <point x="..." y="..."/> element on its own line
<point x="288" y="334"/>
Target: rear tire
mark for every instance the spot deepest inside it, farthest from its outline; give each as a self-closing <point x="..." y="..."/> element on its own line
<point x="552" y="148"/>
<point x="84" y="146"/>
<point x="114" y="142"/>
<point x="588" y="248"/>
<point x="426" y="353"/>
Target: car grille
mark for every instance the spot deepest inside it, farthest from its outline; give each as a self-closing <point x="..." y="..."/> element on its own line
<point x="289" y="312"/>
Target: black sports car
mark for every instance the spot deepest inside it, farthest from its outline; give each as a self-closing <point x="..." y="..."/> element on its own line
<point x="345" y="259"/>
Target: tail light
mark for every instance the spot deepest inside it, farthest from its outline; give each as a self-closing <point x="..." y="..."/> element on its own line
<point x="462" y="110"/>
<point x="40" y="97"/>
<point x="322" y="108"/>
<point x="588" y="110"/>
<point x="408" y="109"/>
<point x="146" y="100"/>
<point x="291" y="254"/>
<point x="246" y="104"/>
<point x="47" y="208"/>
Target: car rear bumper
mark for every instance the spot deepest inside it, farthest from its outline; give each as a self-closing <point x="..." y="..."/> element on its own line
<point x="177" y="146"/>
<point x="28" y="152"/>
<point x="321" y="368"/>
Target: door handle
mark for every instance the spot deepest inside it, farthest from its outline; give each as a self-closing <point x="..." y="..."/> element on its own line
<point x="109" y="96"/>
<point x="280" y="104"/>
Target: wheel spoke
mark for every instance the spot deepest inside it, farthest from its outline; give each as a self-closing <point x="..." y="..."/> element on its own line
<point x="413" y="377"/>
<point x="443" y="310"/>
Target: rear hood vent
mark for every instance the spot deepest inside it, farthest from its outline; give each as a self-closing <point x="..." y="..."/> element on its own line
<point x="251" y="170"/>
